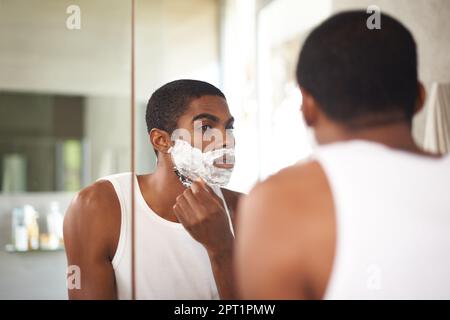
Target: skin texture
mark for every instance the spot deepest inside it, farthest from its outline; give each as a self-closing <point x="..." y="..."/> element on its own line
<point x="286" y="244"/>
<point x="92" y="222"/>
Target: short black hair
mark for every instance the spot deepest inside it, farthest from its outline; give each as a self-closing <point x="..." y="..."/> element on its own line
<point x="356" y="73"/>
<point x="170" y="101"/>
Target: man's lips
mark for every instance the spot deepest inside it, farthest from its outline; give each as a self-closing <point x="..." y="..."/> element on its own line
<point x="224" y="165"/>
<point x="224" y="162"/>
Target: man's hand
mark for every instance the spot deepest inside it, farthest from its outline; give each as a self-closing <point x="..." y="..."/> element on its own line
<point x="203" y="215"/>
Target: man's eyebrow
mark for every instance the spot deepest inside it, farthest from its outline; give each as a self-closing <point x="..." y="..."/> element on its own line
<point x="230" y="121"/>
<point x="206" y="116"/>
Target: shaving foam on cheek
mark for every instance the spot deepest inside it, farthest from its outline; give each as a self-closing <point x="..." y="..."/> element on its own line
<point x="191" y="163"/>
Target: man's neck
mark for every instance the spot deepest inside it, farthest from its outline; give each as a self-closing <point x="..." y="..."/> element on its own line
<point x="161" y="189"/>
<point x="396" y="135"/>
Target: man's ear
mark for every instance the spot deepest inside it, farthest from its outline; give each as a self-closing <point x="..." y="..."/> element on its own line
<point x="420" y="102"/>
<point x="309" y="108"/>
<point x="160" y="140"/>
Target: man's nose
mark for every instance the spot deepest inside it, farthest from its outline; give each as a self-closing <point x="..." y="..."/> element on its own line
<point x="229" y="141"/>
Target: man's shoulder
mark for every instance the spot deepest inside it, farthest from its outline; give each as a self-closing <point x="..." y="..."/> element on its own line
<point x="97" y="201"/>
<point x="294" y="178"/>
<point x="92" y="228"/>
<point x="101" y="193"/>
<point x="290" y="210"/>
<point x="93" y="217"/>
<point x="98" y="194"/>
<point x="298" y="189"/>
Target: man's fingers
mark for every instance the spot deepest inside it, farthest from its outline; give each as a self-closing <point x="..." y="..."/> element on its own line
<point x="204" y="193"/>
<point x="204" y="185"/>
<point x="178" y="213"/>
<point x="177" y="210"/>
<point x="182" y="209"/>
<point x="193" y="201"/>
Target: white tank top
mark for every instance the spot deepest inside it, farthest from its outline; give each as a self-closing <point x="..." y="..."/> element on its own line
<point x="393" y="222"/>
<point x="170" y="264"/>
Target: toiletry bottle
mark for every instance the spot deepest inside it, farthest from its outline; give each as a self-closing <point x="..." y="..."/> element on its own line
<point x="55" y="226"/>
<point x="19" y="230"/>
<point x="32" y="227"/>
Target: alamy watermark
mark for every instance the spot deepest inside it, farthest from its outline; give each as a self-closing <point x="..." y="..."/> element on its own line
<point x="73" y="277"/>
<point x="373" y="22"/>
<point x="73" y="21"/>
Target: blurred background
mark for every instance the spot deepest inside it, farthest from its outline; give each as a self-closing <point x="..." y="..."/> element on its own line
<point x="65" y="100"/>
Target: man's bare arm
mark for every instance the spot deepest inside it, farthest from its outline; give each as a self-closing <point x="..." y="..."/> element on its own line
<point x="91" y="231"/>
<point x="285" y="246"/>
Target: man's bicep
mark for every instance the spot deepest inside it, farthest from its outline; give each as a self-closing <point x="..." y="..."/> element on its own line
<point x="91" y="275"/>
<point x="96" y="279"/>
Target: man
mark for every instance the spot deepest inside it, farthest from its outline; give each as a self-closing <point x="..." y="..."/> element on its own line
<point x="184" y="236"/>
<point x="368" y="216"/>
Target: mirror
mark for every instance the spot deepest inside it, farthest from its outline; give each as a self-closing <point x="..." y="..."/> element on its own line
<point x="64" y="122"/>
<point x="65" y="99"/>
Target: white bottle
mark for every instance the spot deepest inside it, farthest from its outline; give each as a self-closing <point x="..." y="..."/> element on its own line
<point x="19" y="229"/>
<point x="31" y="223"/>
<point x="21" y="235"/>
<point x="55" y="225"/>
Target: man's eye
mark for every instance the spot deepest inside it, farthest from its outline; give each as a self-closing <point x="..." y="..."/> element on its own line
<point x="206" y="127"/>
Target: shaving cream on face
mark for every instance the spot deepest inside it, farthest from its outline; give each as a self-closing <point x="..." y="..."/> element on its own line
<point x="191" y="163"/>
